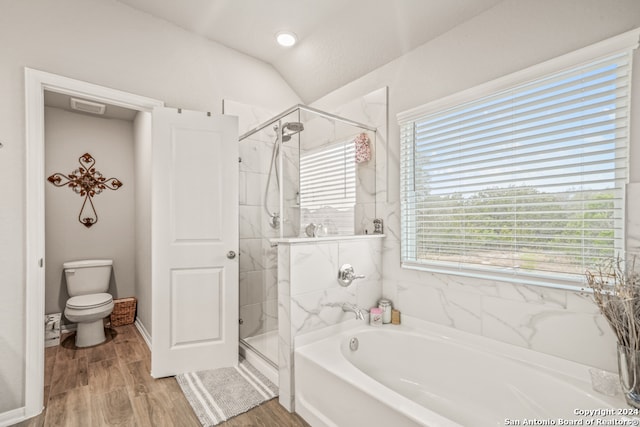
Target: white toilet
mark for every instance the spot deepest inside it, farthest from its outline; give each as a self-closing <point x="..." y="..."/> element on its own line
<point x="87" y="284"/>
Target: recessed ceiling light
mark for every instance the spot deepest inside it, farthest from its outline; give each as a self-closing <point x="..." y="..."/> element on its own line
<point x="286" y="38"/>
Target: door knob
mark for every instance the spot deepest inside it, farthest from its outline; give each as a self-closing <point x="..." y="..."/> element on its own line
<point x="231" y="254"/>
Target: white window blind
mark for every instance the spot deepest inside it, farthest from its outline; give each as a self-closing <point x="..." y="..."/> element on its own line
<point x="328" y="187"/>
<point x="528" y="180"/>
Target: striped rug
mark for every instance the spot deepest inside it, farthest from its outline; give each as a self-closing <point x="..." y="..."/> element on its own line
<point x="220" y="394"/>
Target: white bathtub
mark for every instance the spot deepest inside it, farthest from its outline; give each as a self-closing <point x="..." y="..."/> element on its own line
<point x="444" y="377"/>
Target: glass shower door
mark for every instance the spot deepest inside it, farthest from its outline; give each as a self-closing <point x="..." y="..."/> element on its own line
<point x="265" y="167"/>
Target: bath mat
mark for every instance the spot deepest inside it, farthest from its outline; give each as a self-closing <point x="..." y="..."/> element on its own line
<point x="220" y="394"/>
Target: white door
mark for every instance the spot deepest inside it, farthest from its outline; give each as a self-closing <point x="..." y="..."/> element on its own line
<point x="195" y="241"/>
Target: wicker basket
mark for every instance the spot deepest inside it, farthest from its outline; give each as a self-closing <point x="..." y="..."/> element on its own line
<point x="124" y="311"/>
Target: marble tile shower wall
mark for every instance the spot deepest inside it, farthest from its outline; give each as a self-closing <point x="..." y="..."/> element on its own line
<point x="322" y="132"/>
<point x="258" y="266"/>
<point x="308" y="293"/>
<point x="291" y="188"/>
<point x="370" y="109"/>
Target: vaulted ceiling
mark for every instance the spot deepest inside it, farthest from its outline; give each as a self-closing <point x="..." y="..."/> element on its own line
<point x="339" y="40"/>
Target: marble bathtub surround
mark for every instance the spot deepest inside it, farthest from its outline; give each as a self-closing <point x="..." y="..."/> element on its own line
<point x="562" y="323"/>
<point x="309" y="295"/>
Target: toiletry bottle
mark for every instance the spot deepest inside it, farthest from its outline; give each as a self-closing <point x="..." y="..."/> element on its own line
<point x="385" y="305"/>
<point x="375" y="318"/>
<point x="395" y="317"/>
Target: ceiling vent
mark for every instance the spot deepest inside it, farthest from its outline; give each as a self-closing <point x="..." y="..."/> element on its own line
<point x="87" y="106"/>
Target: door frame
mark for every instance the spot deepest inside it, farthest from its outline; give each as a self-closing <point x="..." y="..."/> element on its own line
<point x="36" y="82"/>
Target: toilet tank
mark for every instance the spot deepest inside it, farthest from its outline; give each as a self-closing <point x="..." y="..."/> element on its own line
<point x="89" y="276"/>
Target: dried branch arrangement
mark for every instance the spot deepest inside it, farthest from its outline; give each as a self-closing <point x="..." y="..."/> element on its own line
<point x="616" y="291"/>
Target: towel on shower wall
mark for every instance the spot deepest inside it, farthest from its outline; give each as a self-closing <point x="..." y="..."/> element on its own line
<point x="363" y="148"/>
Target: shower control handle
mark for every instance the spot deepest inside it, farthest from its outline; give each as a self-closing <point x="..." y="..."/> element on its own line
<point x="346" y="275"/>
<point x="231" y="254"/>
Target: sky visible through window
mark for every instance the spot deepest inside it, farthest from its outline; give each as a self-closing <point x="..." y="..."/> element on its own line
<point x="565" y="116"/>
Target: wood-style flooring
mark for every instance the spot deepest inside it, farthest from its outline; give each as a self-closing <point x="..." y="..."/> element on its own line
<point x="110" y="385"/>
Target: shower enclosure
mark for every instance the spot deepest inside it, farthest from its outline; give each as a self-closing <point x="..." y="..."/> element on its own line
<point x="304" y="173"/>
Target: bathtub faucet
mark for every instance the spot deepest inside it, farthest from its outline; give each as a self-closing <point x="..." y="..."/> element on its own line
<point x="347" y="307"/>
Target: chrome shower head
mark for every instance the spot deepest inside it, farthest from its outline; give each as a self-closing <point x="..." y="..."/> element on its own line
<point x="289" y="129"/>
<point x="293" y="127"/>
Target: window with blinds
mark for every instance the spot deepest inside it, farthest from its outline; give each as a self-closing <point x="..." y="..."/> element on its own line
<point x="328" y="187"/>
<point x="529" y="180"/>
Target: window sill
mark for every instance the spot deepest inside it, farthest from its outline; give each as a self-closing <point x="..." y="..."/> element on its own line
<point x="557" y="281"/>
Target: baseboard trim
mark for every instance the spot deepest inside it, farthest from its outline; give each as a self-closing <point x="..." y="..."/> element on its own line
<point x="143" y="331"/>
<point x="12" y="417"/>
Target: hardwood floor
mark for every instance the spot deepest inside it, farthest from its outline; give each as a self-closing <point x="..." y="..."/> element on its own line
<point x="110" y="385"/>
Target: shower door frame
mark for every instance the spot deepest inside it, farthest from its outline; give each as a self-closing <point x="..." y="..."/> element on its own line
<point x="309" y="110"/>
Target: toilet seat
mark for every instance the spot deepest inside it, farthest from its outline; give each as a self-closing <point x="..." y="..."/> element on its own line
<point x="89" y="301"/>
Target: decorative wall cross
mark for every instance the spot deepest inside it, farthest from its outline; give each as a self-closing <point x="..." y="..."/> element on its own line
<point x="87" y="182"/>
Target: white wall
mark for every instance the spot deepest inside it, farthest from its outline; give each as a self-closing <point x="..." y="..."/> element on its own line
<point x="142" y="171"/>
<point x="68" y="136"/>
<point x="110" y="44"/>
<point x="513" y="35"/>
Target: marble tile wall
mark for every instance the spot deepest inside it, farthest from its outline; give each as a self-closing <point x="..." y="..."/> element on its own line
<point x="291" y="188"/>
<point x="307" y="294"/>
<point x="324" y="131"/>
<point x="563" y="323"/>
<point x="559" y="322"/>
<point x="370" y="109"/>
<point x="310" y="296"/>
<point x="258" y="263"/>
